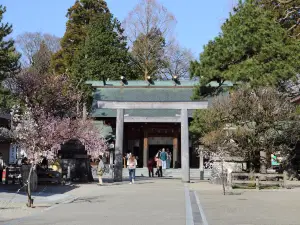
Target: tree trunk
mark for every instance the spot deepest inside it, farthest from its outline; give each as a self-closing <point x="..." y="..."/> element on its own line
<point x="146" y="74"/>
<point x="84" y="111"/>
<point x="30" y="202"/>
<point x="263" y="162"/>
<point x="223" y="177"/>
<point x="78" y="109"/>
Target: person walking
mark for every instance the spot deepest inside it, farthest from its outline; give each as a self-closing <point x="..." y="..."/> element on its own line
<point x="100" y="170"/>
<point x="131" y="164"/>
<point x="150" y="165"/>
<point x="157" y="156"/>
<point x="169" y="159"/>
<point x="163" y="158"/>
<point x="159" y="167"/>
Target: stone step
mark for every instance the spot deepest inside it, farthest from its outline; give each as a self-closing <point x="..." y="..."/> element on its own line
<point x="172" y="173"/>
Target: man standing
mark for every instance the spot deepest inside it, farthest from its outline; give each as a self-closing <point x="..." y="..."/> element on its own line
<point x="163" y="158"/>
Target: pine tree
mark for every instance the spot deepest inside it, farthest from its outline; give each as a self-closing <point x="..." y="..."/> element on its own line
<point x="286" y="12"/>
<point x="79" y="17"/>
<point x="252" y="48"/>
<point x="41" y="59"/>
<point x="103" y="54"/>
<point x="9" y="58"/>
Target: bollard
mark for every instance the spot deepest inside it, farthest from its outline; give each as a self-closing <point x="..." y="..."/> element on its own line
<point x="257" y="183"/>
<point x="69" y="173"/>
<point x="285" y="179"/>
<point x="4" y="176"/>
<point x="201" y="174"/>
<point x="229" y="180"/>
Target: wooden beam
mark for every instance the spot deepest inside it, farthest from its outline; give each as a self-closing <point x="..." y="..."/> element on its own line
<point x="137" y="119"/>
<point x="152" y="105"/>
<point x="175" y="149"/>
<point x="145" y="147"/>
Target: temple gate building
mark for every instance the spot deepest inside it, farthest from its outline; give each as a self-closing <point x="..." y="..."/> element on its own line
<point x="144" y="116"/>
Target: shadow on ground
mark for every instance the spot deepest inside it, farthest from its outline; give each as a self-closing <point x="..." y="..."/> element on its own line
<point x="49" y="189"/>
<point x="44" y="189"/>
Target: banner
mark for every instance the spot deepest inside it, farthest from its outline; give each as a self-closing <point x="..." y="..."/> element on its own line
<point x="276" y="159"/>
<point x="13" y="154"/>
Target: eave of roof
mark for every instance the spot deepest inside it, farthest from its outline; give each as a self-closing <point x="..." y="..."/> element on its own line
<point x="157" y="84"/>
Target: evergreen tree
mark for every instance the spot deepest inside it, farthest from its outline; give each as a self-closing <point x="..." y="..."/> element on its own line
<point x="79" y="17"/>
<point x="252" y="48"/>
<point x="9" y="58"/>
<point x="286" y="12"/>
<point x="103" y="54"/>
<point x="41" y="59"/>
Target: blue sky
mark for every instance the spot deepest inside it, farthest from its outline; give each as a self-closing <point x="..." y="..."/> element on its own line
<point x="198" y="21"/>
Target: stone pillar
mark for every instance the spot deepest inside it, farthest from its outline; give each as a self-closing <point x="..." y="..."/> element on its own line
<point x="118" y="168"/>
<point x="145" y="148"/>
<point x="175" y="149"/>
<point x="185" y="152"/>
<point x="111" y="163"/>
<point x="201" y="165"/>
<point x="263" y="164"/>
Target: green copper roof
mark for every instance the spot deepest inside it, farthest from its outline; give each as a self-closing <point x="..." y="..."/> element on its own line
<point x="144" y="94"/>
<point x="140" y="91"/>
<point x="141" y="94"/>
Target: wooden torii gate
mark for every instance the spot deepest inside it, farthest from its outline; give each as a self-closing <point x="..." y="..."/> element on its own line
<point x="183" y="106"/>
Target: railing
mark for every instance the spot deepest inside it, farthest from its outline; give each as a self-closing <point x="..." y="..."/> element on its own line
<point x="258" y="179"/>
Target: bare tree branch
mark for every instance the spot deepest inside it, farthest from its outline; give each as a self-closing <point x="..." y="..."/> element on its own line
<point x="149" y="28"/>
<point x="261" y="120"/>
<point x="29" y="44"/>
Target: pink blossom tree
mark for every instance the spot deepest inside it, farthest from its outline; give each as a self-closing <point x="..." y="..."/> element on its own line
<point x="48" y="117"/>
<point x="43" y="135"/>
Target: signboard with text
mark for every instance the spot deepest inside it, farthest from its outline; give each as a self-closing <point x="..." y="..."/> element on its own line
<point x="13" y="154"/>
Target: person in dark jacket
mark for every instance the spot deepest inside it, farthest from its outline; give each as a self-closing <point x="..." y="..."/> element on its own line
<point x="150" y="166"/>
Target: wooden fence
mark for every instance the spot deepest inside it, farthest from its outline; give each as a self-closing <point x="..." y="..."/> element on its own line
<point x="258" y="179"/>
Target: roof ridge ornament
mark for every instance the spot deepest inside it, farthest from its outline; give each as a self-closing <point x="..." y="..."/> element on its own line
<point x="123" y="81"/>
<point x="150" y="80"/>
<point x="176" y="80"/>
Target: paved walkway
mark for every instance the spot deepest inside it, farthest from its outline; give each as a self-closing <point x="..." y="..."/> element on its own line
<point x="264" y="207"/>
<point x="13" y="203"/>
<point x="143" y="203"/>
<point x="167" y="202"/>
